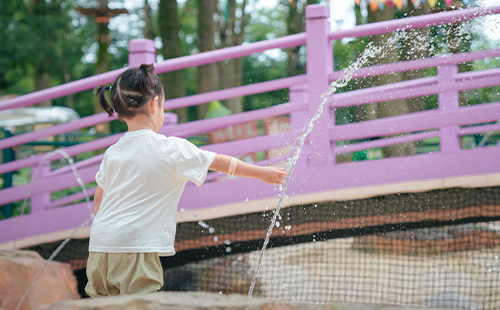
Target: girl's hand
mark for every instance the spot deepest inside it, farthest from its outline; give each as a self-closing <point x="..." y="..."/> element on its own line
<point x="272" y="175"/>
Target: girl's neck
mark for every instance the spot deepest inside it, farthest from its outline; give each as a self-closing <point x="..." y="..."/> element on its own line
<point x="140" y="122"/>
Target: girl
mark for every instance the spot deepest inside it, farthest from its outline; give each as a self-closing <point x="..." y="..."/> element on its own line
<point x="140" y="182"/>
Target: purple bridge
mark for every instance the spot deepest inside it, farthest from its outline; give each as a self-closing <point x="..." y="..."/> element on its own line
<point x="318" y="176"/>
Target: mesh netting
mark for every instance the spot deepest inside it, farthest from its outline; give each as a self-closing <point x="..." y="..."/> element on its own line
<point x="439" y="249"/>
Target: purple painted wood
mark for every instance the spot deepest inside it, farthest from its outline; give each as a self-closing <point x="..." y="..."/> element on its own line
<point x="417" y="64"/>
<point x="309" y="178"/>
<point x="71" y="198"/>
<point x="207" y="125"/>
<point x="53" y="220"/>
<point x="414" y="22"/>
<point x="52" y="184"/>
<point x="418" y="121"/>
<point x="252" y="145"/>
<point x="39" y="202"/>
<point x="245" y="90"/>
<point x="299" y="119"/>
<point x="182" y="130"/>
<point x="384" y="142"/>
<point x="165" y="66"/>
<point x="141" y="51"/>
<point x="478" y="129"/>
<point x="87" y="174"/>
<point x="349" y="175"/>
<point x="350" y="98"/>
<point x="346" y="175"/>
<point x="449" y="141"/>
<point x="169" y="105"/>
<point x="358" y="97"/>
<point x="229" y="53"/>
<point x="319" y="67"/>
<point x="92" y="161"/>
<point x="61" y="90"/>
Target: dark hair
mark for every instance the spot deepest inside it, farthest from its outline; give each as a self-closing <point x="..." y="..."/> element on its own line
<point x="131" y="91"/>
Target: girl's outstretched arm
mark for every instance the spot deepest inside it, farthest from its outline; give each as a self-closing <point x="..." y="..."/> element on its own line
<point x="269" y="175"/>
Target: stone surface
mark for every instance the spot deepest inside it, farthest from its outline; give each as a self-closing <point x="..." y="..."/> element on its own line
<point x="208" y="301"/>
<point x="18" y="269"/>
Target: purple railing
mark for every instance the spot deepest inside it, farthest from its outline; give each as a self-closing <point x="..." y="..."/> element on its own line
<point x="317" y="170"/>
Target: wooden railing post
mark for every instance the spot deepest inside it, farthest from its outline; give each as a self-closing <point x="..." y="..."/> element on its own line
<point x="40" y="202"/>
<point x="298" y="120"/>
<point x="319" y="66"/>
<point x="449" y="100"/>
<point x="141" y="51"/>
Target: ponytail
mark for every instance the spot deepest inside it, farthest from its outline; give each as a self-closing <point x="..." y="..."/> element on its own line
<point x="145" y="79"/>
<point x="131" y="91"/>
<point x="100" y="92"/>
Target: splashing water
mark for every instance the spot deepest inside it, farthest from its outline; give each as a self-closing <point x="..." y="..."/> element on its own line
<point x="63" y="244"/>
<point x="371" y="51"/>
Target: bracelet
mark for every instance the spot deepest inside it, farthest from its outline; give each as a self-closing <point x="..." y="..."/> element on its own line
<point x="232" y="166"/>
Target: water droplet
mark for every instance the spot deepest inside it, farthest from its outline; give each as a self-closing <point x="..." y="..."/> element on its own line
<point x="182" y="210"/>
<point x="228" y="249"/>
<point x="277" y="224"/>
<point x="220" y="292"/>
<point x="227" y="241"/>
<point x="496" y="256"/>
<point x="287" y="227"/>
<point x="195" y="216"/>
<point x="216" y="238"/>
<point x="211" y="230"/>
<point x="284" y="286"/>
<point x="246" y="200"/>
<point x="489" y="270"/>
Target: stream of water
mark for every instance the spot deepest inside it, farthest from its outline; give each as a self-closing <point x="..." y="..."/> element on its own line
<point x="61" y="246"/>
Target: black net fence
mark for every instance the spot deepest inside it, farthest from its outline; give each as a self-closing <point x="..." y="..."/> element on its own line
<point x="438" y="249"/>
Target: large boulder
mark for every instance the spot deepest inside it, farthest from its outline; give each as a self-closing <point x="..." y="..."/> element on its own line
<point x="206" y="301"/>
<point x="18" y="269"/>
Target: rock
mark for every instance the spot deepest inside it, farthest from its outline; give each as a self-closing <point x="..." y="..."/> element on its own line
<point x="206" y="301"/>
<point x="18" y="269"/>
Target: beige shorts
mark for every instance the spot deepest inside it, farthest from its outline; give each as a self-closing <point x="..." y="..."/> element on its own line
<point x="111" y="274"/>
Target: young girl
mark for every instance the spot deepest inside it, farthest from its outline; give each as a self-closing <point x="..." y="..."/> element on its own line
<point x="139" y="184"/>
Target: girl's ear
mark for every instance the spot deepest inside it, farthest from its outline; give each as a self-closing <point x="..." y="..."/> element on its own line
<point x="153" y="105"/>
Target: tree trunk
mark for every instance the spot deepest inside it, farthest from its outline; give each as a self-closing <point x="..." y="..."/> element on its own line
<point x="41" y="74"/>
<point x="173" y="82"/>
<point x="295" y="24"/>
<point x="103" y="39"/>
<point x="395" y="107"/>
<point x="42" y="81"/>
<point x="147" y="30"/>
<point x="234" y="69"/>
<point x="207" y="74"/>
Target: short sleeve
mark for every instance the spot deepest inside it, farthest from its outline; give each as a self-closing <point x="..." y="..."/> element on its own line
<point x="192" y="162"/>
<point x="99" y="177"/>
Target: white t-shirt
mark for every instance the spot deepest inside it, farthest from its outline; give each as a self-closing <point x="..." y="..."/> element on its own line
<point x="143" y="176"/>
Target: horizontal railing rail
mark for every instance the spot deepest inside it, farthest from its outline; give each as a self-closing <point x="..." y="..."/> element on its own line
<point x="417" y="121"/>
<point x="169" y="105"/>
<point x="384" y="142"/>
<point x="418" y="64"/>
<point x="479" y="129"/>
<point x="165" y="66"/>
<point x="463" y="81"/>
<point x="181" y="130"/>
<point x="427" y="20"/>
<point x="87" y="174"/>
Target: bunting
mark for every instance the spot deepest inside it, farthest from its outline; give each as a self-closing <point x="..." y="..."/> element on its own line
<point x="400" y="4"/>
